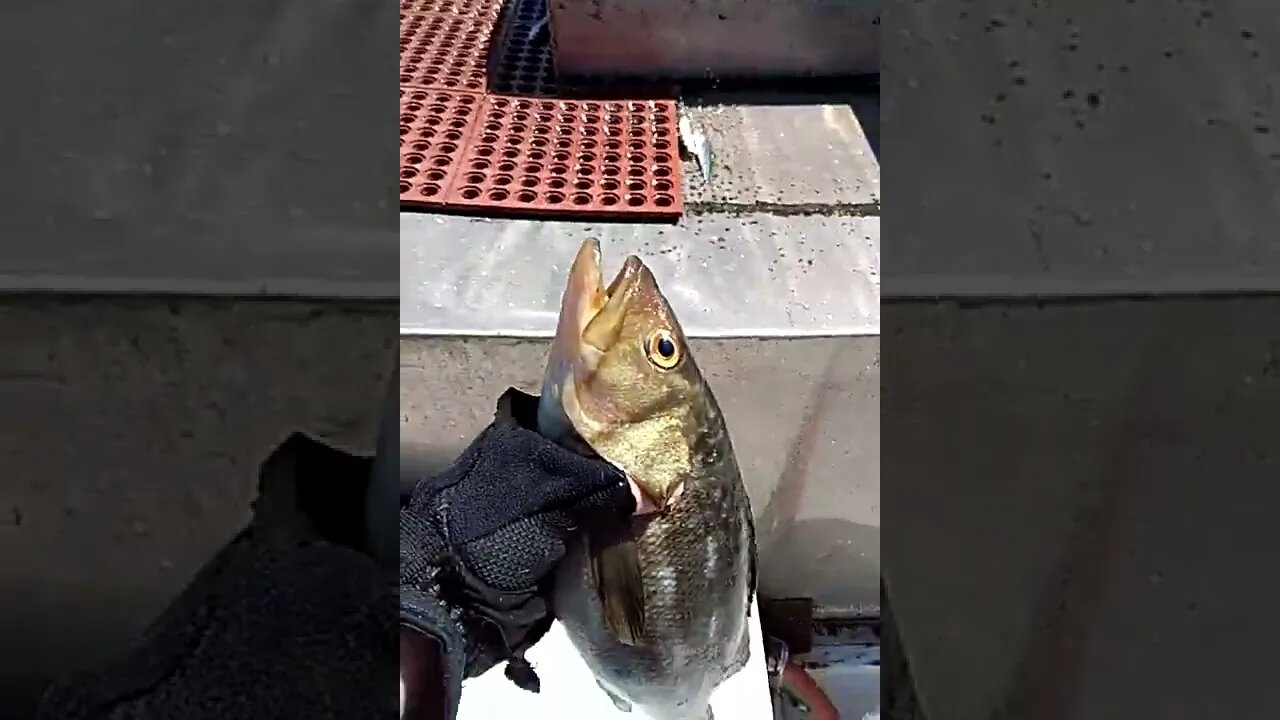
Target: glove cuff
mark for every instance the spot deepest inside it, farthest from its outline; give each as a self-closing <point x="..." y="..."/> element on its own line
<point x="422" y="612"/>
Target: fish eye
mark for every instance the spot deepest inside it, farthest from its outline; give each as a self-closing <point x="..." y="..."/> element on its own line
<point x="662" y="349"/>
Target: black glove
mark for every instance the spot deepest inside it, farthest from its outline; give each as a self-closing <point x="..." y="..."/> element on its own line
<point x="478" y="542"/>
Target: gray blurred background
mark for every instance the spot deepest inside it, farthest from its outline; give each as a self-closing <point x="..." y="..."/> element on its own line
<point x="133" y="432"/>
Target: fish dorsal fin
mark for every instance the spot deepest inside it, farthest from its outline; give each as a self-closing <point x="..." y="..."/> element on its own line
<point x="615" y="567"/>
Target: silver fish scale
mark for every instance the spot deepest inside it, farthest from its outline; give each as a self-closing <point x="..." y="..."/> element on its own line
<point x="696" y="565"/>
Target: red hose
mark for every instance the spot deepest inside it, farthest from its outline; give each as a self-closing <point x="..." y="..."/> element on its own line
<point x="798" y="681"/>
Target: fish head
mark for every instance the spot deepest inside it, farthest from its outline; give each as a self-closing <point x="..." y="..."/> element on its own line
<point x="622" y="379"/>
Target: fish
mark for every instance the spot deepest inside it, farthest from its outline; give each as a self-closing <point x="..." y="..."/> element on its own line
<point x="658" y="609"/>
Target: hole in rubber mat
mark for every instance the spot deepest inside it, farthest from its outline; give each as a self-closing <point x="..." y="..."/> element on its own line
<point x="432" y="125"/>
<point x="446" y="49"/>
<point x="571" y="153"/>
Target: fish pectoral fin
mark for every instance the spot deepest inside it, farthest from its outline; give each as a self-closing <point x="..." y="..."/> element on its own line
<point x="616" y="568"/>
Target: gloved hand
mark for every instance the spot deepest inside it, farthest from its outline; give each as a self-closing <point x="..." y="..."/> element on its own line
<point x="478" y="542"/>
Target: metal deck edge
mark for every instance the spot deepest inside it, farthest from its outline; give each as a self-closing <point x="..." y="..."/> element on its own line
<point x="1023" y="288"/>
<point x="255" y="259"/>
<point x="291" y="289"/>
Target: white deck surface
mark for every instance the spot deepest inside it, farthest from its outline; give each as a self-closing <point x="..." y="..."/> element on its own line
<point x="569" y="690"/>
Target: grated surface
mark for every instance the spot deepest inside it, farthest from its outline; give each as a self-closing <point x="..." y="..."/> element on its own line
<point x="557" y="156"/>
<point x="444" y="51"/>
<point x="523" y="64"/>
<point x="473" y="8"/>
<point x="484" y="131"/>
<point x="434" y="127"/>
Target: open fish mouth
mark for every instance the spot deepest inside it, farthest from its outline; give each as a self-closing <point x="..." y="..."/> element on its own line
<point x="591" y="313"/>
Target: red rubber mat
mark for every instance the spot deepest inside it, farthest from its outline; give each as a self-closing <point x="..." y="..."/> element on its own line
<point x="567" y="156"/>
<point x="475" y="8"/>
<point x="434" y="127"/>
<point x="484" y="132"/>
<point x="442" y="51"/>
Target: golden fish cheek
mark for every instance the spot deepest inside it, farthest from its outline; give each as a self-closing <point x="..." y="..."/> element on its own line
<point x="595" y="415"/>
